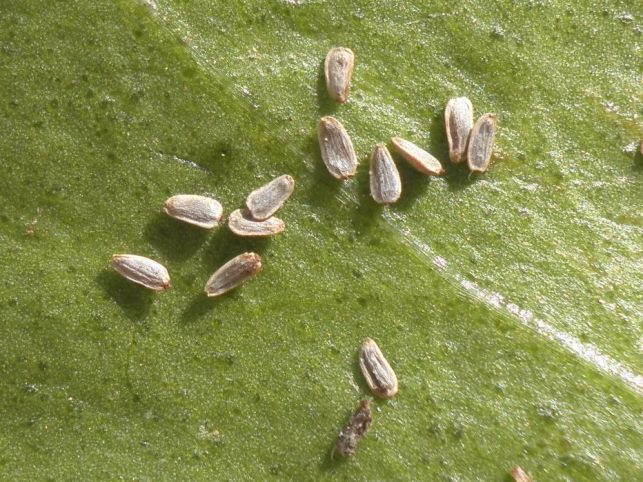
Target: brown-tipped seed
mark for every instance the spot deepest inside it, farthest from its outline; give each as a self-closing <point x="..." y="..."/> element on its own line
<point x="144" y="271"/>
<point x="386" y="185"/>
<point x="379" y="375"/>
<point x="418" y="157"/>
<point x="201" y="211"/>
<point x="481" y="143"/>
<point x="354" y="430"/>
<point x="458" y="119"/>
<point x="336" y="148"/>
<point x="242" y="224"/>
<point x="338" y="69"/>
<point x="235" y="272"/>
<point x="266" y="201"/>
<point x="519" y="475"/>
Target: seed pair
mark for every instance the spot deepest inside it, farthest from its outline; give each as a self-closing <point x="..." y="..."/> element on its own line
<point x="257" y="219"/>
<point x="382" y="381"/>
<point x="153" y="275"/>
<point x="473" y="142"/>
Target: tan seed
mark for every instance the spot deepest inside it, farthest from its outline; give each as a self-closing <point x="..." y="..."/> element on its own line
<point x="379" y="375"/>
<point x="266" y="201"/>
<point x="338" y="69"/>
<point x="418" y="157"/>
<point x="481" y="143"/>
<point x="144" y="271"/>
<point x="336" y="148"/>
<point x="242" y="224"/>
<point x="201" y="211"/>
<point x="386" y="185"/>
<point x="235" y="272"/>
<point x="519" y="475"/>
<point x="354" y="430"/>
<point x="458" y="119"/>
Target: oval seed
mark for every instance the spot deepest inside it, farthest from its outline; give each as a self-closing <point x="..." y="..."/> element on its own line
<point x="354" y="430"/>
<point x="141" y="270"/>
<point x="243" y="225"/>
<point x="235" y="272"/>
<point x="338" y="69"/>
<point x="336" y="148"/>
<point x="379" y="375"/>
<point x="458" y="119"/>
<point x="266" y="201"/>
<point x="481" y="143"/>
<point x="418" y="157"/>
<point x="386" y="186"/>
<point x="201" y="211"/>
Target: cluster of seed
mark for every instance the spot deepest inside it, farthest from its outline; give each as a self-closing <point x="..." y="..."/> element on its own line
<point x="255" y="220"/>
<point x="466" y="140"/>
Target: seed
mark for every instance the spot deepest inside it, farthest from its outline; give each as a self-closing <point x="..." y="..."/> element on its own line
<point x="386" y="186"/>
<point x="201" y="211"/>
<point x="418" y="157"/>
<point x="338" y="69"/>
<point x="519" y="475"/>
<point x="379" y="375"/>
<point x="266" y="201"/>
<point x="235" y="272"/>
<point x="141" y="270"/>
<point x="336" y="148"/>
<point x="481" y="143"/>
<point x="354" y="430"/>
<point x="242" y="224"/>
<point x="458" y="119"/>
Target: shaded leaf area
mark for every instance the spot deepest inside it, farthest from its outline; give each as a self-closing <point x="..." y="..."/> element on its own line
<point x="108" y="109"/>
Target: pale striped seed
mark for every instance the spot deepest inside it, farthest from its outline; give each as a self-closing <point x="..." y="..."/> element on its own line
<point x="481" y="143"/>
<point x="242" y="224"/>
<point x="336" y="148"/>
<point x="235" y="272"/>
<point x="458" y="119"/>
<point x="519" y="475"/>
<point x="379" y="375"/>
<point x="338" y="69"/>
<point x="144" y="271"/>
<point x="385" y="182"/>
<point x="354" y="430"/>
<point x="418" y="157"/>
<point x="266" y="201"/>
<point x="201" y="211"/>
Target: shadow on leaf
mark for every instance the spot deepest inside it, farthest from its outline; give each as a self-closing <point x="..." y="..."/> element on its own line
<point x="177" y="241"/>
<point x="134" y="300"/>
<point x="325" y="186"/>
<point x="414" y="183"/>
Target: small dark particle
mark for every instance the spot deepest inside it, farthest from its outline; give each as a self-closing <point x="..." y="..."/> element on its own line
<point x="354" y="430"/>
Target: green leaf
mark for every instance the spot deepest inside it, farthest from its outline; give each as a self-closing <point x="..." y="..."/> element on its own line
<point x="508" y="304"/>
